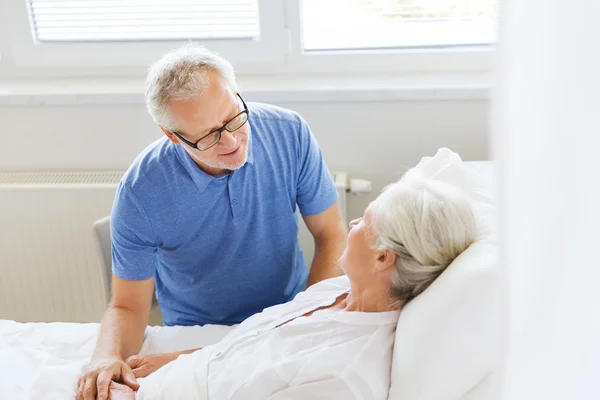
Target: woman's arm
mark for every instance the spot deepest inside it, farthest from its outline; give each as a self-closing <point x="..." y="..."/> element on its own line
<point x="143" y="366"/>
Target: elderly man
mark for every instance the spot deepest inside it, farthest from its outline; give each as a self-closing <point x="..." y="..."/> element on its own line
<point x="207" y="214"/>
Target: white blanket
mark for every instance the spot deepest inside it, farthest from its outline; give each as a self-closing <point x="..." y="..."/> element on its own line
<point x="44" y="360"/>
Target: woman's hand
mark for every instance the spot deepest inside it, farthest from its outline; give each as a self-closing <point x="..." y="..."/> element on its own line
<point x="117" y="391"/>
<point x="143" y="366"/>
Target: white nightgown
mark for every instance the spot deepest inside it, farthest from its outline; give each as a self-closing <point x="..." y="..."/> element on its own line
<point x="331" y="354"/>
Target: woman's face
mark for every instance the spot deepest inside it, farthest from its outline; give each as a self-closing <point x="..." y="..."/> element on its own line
<point x="359" y="256"/>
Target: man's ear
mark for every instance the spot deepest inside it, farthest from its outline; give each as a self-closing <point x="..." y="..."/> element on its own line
<point x="385" y="260"/>
<point x="170" y="135"/>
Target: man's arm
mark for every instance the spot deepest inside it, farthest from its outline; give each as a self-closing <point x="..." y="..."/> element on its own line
<point x="329" y="233"/>
<point x="125" y="321"/>
<point x="121" y="335"/>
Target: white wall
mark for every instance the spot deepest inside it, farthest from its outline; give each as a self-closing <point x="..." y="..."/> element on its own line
<point x="372" y="140"/>
<point x="546" y="139"/>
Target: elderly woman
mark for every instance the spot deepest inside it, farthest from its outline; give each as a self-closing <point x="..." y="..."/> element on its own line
<point x="334" y="340"/>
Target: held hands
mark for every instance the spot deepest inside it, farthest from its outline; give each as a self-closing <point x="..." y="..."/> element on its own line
<point x="97" y="377"/>
<point x="143" y="366"/>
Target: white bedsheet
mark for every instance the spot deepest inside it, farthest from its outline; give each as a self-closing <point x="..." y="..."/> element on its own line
<point x="44" y="360"/>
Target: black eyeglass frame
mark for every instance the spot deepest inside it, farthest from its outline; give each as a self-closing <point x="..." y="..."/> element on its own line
<point x="218" y="131"/>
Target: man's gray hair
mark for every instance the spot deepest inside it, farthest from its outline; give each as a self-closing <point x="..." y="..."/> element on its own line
<point x="427" y="224"/>
<point x="182" y="74"/>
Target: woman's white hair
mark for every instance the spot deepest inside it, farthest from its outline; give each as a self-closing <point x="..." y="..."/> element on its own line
<point x="182" y="74"/>
<point x="427" y="224"/>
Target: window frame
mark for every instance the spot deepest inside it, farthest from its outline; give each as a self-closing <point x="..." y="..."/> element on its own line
<point x="278" y="51"/>
<point x="27" y="53"/>
<point x="463" y="59"/>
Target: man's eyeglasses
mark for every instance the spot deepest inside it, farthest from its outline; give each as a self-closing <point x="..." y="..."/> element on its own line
<point x="209" y="140"/>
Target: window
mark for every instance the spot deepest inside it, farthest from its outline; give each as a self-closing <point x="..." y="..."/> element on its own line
<point x="259" y="37"/>
<point x="360" y="24"/>
<point x="93" y="20"/>
<point x="122" y="37"/>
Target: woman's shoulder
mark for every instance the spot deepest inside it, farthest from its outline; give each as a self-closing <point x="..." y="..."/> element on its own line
<point x="333" y="285"/>
<point x="321" y="291"/>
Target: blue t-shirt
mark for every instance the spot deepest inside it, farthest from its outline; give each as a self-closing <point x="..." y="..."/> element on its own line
<point x="221" y="248"/>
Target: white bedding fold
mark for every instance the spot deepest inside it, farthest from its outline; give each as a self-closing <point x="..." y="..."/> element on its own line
<point x="44" y="360"/>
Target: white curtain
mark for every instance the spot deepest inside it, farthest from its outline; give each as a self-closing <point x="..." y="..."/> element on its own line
<point x="546" y="127"/>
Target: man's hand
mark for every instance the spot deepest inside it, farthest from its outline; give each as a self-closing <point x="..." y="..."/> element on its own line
<point x="98" y="374"/>
<point x="143" y="366"/>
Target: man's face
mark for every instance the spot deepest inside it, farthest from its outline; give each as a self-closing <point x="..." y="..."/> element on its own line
<point x="199" y="117"/>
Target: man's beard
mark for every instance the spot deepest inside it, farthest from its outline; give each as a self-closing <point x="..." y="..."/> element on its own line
<point x="229" y="166"/>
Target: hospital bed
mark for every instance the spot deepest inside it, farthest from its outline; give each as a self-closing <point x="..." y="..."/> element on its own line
<point x="448" y="340"/>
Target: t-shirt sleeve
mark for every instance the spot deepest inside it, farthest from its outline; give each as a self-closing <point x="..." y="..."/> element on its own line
<point x="316" y="190"/>
<point x="132" y="242"/>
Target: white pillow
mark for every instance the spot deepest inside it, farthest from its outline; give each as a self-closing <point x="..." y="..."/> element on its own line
<point x="448" y="338"/>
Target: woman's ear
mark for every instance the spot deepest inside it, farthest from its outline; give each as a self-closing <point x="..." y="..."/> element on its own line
<point x="385" y="260"/>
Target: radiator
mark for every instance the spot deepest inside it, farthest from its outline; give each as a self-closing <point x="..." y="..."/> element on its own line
<point x="50" y="269"/>
<point x="50" y="265"/>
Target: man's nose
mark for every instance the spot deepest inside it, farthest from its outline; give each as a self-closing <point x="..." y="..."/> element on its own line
<point x="228" y="139"/>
